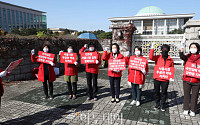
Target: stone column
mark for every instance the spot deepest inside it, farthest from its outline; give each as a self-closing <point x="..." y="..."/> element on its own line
<point x="153" y="31"/>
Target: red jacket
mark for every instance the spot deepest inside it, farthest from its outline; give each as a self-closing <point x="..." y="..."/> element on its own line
<point x="136" y="76"/>
<point x="159" y="61"/>
<point x="52" y="75"/>
<point x="1" y="84"/>
<point x="71" y="70"/>
<point x="106" y="56"/>
<point x="193" y="59"/>
<point x="92" y="68"/>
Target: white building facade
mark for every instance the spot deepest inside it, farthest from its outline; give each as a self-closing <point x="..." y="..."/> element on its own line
<point x="153" y="25"/>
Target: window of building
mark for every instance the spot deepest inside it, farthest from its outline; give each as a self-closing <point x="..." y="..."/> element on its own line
<point x="44" y="21"/>
<point x="35" y="21"/>
<point x="159" y="27"/>
<point x="28" y="20"/>
<point x="137" y="24"/>
<point x="181" y="23"/>
<point x="31" y="20"/>
<point x="17" y="19"/>
<point x="38" y="23"/>
<point x="21" y="20"/>
<point x="4" y="20"/>
<point x="13" y="18"/>
<point x="25" y="23"/>
<point x="171" y="24"/>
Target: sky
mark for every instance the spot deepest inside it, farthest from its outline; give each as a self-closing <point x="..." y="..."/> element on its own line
<point x="93" y="15"/>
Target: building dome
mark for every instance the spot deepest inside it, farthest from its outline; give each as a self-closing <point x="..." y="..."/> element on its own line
<point x="150" y="11"/>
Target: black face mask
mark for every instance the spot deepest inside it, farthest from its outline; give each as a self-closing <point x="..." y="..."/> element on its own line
<point x="165" y="54"/>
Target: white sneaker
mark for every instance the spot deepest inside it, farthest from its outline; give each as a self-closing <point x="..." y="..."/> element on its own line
<point x="192" y="114"/>
<point x="133" y="102"/>
<point x="185" y="112"/>
<point x="137" y="103"/>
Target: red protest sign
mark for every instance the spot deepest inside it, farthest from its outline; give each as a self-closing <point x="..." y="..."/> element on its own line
<point x="192" y="70"/>
<point x="89" y="57"/>
<point x="137" y="63"/>
<point x="68" y="57"/>
<point x="13" y="65"/>
<point x="116" y="64"/>
<point x="166" y="73"/>
<point x="44" y="57"/>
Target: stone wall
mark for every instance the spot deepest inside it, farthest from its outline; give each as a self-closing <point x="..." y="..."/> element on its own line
<point x="12" y="49"/>
<point x="191" y="33"/>
<point x="105" y="43"/>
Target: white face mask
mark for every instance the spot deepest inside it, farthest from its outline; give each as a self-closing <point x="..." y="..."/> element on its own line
<point x="193" y="50"/>
<point x="137" y="53"/>
<point x="46" y="50"/>
<point x="70" y="50"/>
<point x="91" y="48"/>
<point x="114" y="50"/>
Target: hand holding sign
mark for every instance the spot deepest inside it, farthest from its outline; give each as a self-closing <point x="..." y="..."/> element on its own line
<point x="192" y="70"/>
<point x="3" y="73"/>
<point x="116" y="65"/>
<point x="66" y="57"/>
<point x="89" y="58"/>
<point x="166" y="73"/>
<point x="44" y="57"/>
<point x="33" y="52"/>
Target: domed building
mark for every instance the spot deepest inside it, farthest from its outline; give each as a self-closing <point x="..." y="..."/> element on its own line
<point x="152" y="20"/>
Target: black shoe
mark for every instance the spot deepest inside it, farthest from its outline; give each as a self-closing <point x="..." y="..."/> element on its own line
<point x="157" y="107"/>
<point x="113" y="100"/>
<point x="163" y="108"/>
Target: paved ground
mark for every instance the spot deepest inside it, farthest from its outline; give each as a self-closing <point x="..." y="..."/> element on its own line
<point x="22" y="104"/>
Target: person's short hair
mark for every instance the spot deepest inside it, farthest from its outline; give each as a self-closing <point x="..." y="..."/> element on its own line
<point x="92" y="44"/>
<point x="116" y="46"/>
<point x="47" y="46"/>
<point x="70" y="45"/>
<point x="166" y="47"/>
<point x="197" y="45"/>
<point x="139" y="48"/>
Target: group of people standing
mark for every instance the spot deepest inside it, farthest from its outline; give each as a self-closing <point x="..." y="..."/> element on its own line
<point x="135" y="77"/>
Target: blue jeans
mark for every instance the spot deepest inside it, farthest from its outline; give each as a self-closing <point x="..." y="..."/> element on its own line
<point x="136" y="92"/>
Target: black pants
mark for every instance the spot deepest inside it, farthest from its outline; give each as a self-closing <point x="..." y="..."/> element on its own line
<point x="163" y="95"/>
<point x="92" y="89"/>
<point x="187" y="105"/>
<point x="45" y="87"/>
<point x="69" y="85"/>
<point x="115" y="86"/>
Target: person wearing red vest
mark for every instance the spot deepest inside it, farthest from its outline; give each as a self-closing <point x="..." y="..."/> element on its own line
<point x="2" y="74"/>
<point x="137" y="77"/>
<point x="191" y="83"/>
<point x="46" y="72"/>
<point x="92" y="71"/>
<point x="71" y="74"/>
<point x="163" y="60"/>
<point x="114" y="76"/>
